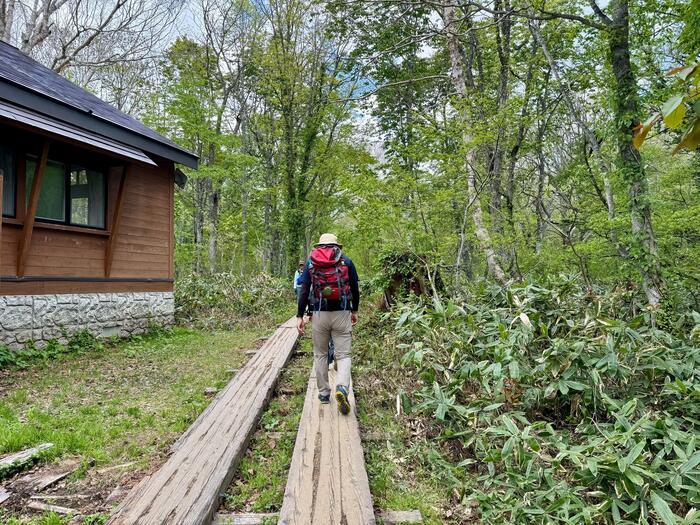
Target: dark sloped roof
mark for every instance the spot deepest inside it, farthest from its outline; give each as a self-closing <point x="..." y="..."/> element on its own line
<point x="35" y="80"/>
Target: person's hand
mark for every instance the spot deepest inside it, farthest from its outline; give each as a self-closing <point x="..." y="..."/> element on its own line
<point x="300" y="325"/>
<point x="353" y="318"/>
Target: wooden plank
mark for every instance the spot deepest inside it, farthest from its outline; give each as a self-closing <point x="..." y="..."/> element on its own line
<point x="4" y="495"/>
<point x="242" y="518"/>
<point x="148" y="225"/>
<point x="55" y="497"/>
<point x="21" y="180"/>
<point x="187" y="488"/>
<point x="45" y="507"/>
<point x="26" y="239"/>
<point x="73" y="287"/>
<point x="116" y="467"/>
<point x="377" y="436"/>
<point x="171" y="223"/>
<point x="40" y="481"/>
<point x="74" y="230"/>
<point x="18" y="459"/>
<point x="395" y="517"/>
<point x="114" y="233"/>
<point x="327" y="479"/>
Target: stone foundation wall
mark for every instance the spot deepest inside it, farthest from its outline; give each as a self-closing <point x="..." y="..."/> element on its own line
<point x="40" y="318"/>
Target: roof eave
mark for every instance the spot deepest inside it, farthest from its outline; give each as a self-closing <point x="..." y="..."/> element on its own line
<point x="29" y="99"/>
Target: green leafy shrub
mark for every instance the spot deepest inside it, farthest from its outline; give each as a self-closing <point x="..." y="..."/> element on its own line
<point x="557" y="404"/>
<point x="77" y="344"/>
<point x="223" y="299"/>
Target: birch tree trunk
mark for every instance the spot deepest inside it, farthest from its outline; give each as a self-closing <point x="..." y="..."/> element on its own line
<point x="458" y="81"/>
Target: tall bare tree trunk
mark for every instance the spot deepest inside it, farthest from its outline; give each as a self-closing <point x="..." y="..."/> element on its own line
<point x="502" y="28"/>
<point x="244" y="230"/>
<point x="198" y="222"/>
<point x="213" y="227"/>
<point x="267" y="242"/>
<point x="7" y="18"/>
<point x="458" y="81"/>
<point x="588" y="134"/>
<point x="540" y="210"/>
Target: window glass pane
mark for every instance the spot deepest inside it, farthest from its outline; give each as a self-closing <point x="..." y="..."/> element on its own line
<point x="52" y="199"/>
<point x="87" y="198"/>
<point x="7" y="167"/>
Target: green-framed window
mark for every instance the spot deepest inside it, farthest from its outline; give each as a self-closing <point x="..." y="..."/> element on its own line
<point x="9" y="177"/>
<point x="70" y="194"/>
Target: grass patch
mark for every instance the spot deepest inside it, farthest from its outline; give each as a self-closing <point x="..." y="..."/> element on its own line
<point x="51" y="518"/>
<point x="127" y="401"/>
<point x="397" y="458"/>
<point x="262" y="474"/>
<point x="124" y="403"/>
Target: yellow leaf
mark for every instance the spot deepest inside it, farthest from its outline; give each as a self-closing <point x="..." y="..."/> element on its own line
<point x="691" y="139"/>
<point x="673" y="111"/>
<point x="642" y="130"/>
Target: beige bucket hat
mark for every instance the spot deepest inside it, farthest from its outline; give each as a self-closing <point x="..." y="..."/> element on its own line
<point x="328" y="238"/>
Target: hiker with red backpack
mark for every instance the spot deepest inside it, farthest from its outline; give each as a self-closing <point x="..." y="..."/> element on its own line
<point x="330" y="283"/>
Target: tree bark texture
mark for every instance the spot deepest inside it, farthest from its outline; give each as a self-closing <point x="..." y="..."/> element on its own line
<point x="630" y="162"/>
<point x="458" y="81"/>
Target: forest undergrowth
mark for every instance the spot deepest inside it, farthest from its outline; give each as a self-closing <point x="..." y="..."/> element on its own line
<point x="225" y="301"/>
<point x="552" y="403"/>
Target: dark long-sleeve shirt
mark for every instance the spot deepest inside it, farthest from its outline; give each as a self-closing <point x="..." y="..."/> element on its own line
<point x="328" y="305"/>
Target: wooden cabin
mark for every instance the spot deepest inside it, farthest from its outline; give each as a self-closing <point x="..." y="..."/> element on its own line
<point x="86" y="237"/>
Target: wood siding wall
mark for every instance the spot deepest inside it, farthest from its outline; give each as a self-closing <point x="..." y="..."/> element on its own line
<point x="143" y="246"/>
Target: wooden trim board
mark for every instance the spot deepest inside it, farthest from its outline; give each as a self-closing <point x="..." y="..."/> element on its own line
<point x="28" y="228"/>
<point x="114" y="225"/>
<point x="2" y="187"/>
<point x="327" y="479"/>
<point x="187" y="488"/>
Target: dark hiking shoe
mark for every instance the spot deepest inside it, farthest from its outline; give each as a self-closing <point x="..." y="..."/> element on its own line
<point x="324" y="399"/>
<point x="341" y="396"/>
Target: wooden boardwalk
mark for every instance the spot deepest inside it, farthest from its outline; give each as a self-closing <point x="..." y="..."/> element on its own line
<point x="327" y="482"/>
<point x="187" y="488"/>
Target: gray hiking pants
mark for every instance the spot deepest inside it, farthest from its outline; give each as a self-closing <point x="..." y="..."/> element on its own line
<point x="339" y="326"/>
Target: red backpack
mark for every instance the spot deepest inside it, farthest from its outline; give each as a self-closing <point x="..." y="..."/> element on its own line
<point x="330" y="276"/>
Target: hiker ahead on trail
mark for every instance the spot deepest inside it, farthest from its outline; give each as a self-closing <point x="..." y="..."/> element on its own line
<point x="330" y="282"/>
<point x="297" y="279"/>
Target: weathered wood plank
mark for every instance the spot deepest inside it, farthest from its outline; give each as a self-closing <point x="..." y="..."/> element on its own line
<point x="4" y="495"/>
<point x="26" y="239"/>
<point x="46" y="507"/>
<point x="377" y="436"/>
<point x="2" y="187"/>
<point x="327" y="479"/>
<point x="17" y="459"/>
<point x="116" y="219"/>
<point x="244" y="518"/>
<point x="55" y="497"/>
<point x="187" y="488"/>
<point x="395" y="517"/>
<point x="39" y="481"/>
